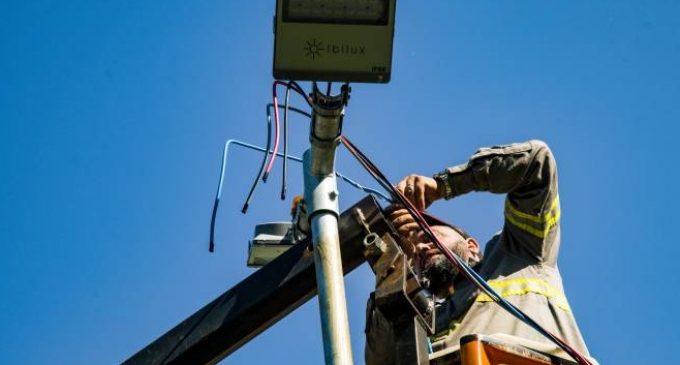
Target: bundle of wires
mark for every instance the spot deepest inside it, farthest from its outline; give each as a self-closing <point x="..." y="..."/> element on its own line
<point x="467" y="272"/>
<point x="260" y="174"/>
<point x="297" y="88"/>
<point x="266" y="167"/>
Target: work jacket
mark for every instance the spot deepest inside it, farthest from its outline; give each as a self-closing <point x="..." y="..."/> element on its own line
<point x="520" y="262"/>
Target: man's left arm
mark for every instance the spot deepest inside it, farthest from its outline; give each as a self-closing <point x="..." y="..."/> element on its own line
<point x="527" y="173"/>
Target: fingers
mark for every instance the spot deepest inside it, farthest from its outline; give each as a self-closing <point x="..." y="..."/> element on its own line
<point x="403" y="222"/>
<point x="393" y="208"/>
<point x="419" y="190"/>
<point x="408" y="247"/>
<point x="401" y="186"/>
<point x="409" y="229"/>
<point x="401" y="216"/>
<point x="407" y="187"/>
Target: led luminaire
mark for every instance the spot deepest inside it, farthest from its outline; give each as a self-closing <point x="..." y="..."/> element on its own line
<point x="334" y="40"/>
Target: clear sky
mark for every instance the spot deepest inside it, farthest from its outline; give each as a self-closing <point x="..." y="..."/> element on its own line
<point x="113" y="116"/>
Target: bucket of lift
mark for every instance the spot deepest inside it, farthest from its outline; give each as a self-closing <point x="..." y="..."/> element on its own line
<point x="497" y="349"/>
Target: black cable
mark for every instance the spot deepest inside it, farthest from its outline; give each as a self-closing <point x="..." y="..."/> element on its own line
<point x="299" y="111"/>
<point x="328" y="88"/>
<point x="300" y="91"/>
<point x="264" y="161"/>
<point x="298" y="88"/>
<point x="211" y="245"/>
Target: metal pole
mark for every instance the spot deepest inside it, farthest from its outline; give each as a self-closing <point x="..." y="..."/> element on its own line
<point x="321" y="197"/>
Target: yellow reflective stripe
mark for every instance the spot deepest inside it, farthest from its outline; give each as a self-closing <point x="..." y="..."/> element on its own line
<point x="534" y="218"/>
<point x="547" y="220"/>
<point x="513" y="287"/>
<point x="540" y="233"/>
<point x="522" y="286"/>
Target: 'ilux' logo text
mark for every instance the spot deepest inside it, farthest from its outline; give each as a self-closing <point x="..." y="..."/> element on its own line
<point x="315" y="48"/>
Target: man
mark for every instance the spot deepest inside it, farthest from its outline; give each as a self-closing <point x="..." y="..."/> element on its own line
<point x="520" y="262"/>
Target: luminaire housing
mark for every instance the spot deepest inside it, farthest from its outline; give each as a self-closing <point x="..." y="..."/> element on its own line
<point x="334" y="40"/>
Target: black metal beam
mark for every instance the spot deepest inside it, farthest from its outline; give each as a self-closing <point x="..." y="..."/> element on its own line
<point x="260" y="300"/>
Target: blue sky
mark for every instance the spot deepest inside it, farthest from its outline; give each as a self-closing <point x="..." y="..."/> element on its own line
<point x="113" y="116"/>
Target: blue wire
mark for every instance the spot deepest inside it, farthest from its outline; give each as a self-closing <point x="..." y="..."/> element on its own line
<point x="290" y="157"/>
<point x="223" y="168"/>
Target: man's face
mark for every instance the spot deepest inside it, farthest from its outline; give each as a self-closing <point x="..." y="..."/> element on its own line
<point x="432" y="263"/>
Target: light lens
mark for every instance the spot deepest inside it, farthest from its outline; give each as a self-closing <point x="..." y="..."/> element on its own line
<point x="336" y="11"/>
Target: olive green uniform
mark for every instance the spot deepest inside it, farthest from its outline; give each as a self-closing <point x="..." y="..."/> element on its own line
<point x="520" y="262"/>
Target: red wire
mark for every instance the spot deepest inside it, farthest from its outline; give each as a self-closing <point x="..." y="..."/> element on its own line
<point x="276" y="130"/>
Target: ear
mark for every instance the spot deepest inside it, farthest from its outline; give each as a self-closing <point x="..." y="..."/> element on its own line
<point x="473" y="246"/>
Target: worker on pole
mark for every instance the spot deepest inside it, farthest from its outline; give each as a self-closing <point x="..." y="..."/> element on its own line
<point x="519" y="262"/>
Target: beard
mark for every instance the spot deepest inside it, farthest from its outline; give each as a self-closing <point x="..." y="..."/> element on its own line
<point x="440" y="272"/>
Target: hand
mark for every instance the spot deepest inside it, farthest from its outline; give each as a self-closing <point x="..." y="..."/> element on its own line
<point x="420" y="190"/>
<point x="403" y="221"/>
<point x="414" y="241"/>
<point x="406" y="226"/>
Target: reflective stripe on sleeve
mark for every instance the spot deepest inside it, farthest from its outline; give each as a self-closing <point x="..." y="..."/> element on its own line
<point x="537" y="225"/>
<point x="521" y="286"/>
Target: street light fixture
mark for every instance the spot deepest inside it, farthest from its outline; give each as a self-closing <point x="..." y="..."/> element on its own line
<point x="334" y="40"/>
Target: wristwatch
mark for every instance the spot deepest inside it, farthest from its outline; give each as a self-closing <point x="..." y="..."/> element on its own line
<point x="442" y="180"/>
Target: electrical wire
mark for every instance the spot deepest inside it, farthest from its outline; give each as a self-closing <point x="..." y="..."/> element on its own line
<point x="373" y="192"/>
<point x="276" y="135"/>
<point x="264" y="160"/>
<point x="223" y="168"/>
<point x="244" y="209"/>
<point x="285" y="142"/>
<point x="225" y="153"/>
<point x="469" y="274"/>
<point x="294" y="85"/>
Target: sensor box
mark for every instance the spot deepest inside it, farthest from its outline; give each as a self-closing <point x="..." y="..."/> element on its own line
<point x="270" y="241"/>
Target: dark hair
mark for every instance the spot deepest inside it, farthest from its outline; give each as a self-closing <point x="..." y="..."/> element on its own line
<point x="460" y="231"/>
<point x="434" y="221"/>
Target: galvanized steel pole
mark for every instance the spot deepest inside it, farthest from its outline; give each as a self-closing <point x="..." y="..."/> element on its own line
<point x="321" y="197"/>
